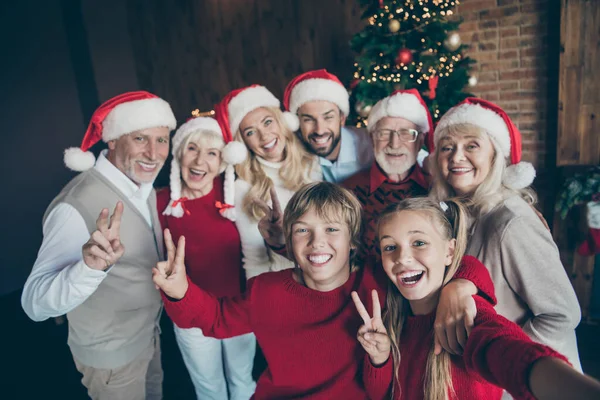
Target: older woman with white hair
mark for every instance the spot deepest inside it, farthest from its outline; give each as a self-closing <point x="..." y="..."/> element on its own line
<point x="478" y="158"/>
<point x="199" y="205"/>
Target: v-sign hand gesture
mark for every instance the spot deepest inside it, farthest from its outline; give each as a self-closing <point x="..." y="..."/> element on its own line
<point x="271" y="225"/>
<point x="104" y="247"/>
<point x="170" y="275"/>
<point x="372" y="335"/>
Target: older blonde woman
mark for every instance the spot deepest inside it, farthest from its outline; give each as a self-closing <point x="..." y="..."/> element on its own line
<point x="478" y="157"/>
<point x="277" y="161"/>
<point x="193" y="207"/>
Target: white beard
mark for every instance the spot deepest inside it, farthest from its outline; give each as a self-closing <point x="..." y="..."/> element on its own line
<point x="396" y="168"/>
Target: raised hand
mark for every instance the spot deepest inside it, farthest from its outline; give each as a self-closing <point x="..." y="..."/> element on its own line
<point x="104" y="247"/>
<point x="170" y="276"/>
<point x="372" y="335"/>
<point x="271" y="225"/>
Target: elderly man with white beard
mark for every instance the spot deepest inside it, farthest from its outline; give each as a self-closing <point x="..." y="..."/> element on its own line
<point x="398" y="125"/>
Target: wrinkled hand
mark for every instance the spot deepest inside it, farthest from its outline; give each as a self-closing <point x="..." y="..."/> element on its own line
<point x="170" y="276"/>
<point x="372" y="335"/>
<point x="104" y="247"/>
<point x="455" y="316"/>
<point x="271" y="225"/>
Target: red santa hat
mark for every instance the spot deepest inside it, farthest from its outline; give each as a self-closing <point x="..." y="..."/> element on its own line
<point x="407" y="104"/>
<point x="121" y="115"/>
<point x="238" y="103"/>
<point x="233" y="153"/>
<point x="505" y="136"/>
<point x="318" y="85"/>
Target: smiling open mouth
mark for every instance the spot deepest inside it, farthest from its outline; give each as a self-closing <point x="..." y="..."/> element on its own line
<point x="270" y="145"/>
<point x="319" y="259"/>
<point x="147" y="167"/>
<point x="411" y="278"/>
<point x="320" y="140"/>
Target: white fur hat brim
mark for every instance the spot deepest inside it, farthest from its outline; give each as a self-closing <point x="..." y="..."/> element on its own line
<point x="192" y="126"/>
<point x="317" y="89"/>
<point x="400" y="105"/>
<point x="137" y="115"/>
<point x="479" y="116"/>
<point x="247" y="101"/>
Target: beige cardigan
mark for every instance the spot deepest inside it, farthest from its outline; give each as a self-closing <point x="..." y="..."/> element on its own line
<point x="532" y="286"/>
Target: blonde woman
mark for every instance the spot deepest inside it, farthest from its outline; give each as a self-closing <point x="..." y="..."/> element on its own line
<point x="478" y="157"/>
<point x="277" y="161"/>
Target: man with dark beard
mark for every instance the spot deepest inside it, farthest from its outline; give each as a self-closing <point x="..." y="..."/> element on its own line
<point x="398" y="125"/>
<point x="321" y="104"/>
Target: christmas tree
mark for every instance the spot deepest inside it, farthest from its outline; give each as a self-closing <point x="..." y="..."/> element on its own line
<point x="409" y="44"/>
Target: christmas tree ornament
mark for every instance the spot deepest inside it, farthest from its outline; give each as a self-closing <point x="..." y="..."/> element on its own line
<point x="394" y="25"/>
<point x="452" y="41"/>
<point x="354" y="83"/>
<point x="472" y="81"/>
<point x="433" y="83"/>
<point x="362" y="109"/>
<point x="404" y="56"/>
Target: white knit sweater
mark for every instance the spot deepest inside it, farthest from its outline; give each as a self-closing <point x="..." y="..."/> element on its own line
<point x="256" y="257"/>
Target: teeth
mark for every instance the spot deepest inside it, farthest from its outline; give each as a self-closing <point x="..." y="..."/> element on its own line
<point x="321" y="140"/>
<point x="197" y="172"/>
<point x="320" y="259"/>
<point x="410" y="274"/>
<point x="147" y="166"/>
<point x="460" y="169"/>
<point x="270" y="144"/>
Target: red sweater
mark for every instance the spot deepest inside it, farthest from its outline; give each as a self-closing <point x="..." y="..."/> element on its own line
<point x="375" y="192"/>
<point x="213" y="255"/>
<point x="308" y="337"/>
<point x="498" y="354"/>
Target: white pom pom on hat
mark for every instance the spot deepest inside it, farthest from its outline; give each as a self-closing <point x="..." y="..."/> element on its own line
<point x="121" y="115"/>
<point x="507" y="138"/>
<point x="233" y="153"/>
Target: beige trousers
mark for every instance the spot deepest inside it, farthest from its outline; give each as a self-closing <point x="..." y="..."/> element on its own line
<point x="141" y="379"/>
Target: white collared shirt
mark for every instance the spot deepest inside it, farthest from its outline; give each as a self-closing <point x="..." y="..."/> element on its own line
<point x="60" y="280"/>
<point x="356" y="154"/>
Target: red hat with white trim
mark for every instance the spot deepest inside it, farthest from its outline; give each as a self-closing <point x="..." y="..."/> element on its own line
<point x="504" y="134"/>
<point x="407" y="104"/>
<point x="240" y="102"/>
<point x="233" y="153"/>
<point x="121" y="115"/>
<point x="317" y="85"/>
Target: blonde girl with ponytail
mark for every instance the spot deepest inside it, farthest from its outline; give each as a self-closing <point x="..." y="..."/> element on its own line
<point x="422" y="245"/>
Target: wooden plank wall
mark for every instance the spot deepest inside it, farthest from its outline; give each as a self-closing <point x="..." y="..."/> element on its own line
<point x="579" y="91"/>
<point x="578" y="140"/>
<point x="193" y="52"/>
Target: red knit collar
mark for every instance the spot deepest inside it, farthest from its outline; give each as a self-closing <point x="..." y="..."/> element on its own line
<point x="377" y="177"/>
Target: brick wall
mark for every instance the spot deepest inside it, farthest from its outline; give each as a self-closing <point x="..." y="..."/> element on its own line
<point x="510" y="41"/>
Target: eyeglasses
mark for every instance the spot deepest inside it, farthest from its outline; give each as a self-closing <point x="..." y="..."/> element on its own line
<point x="405" y="135"/>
